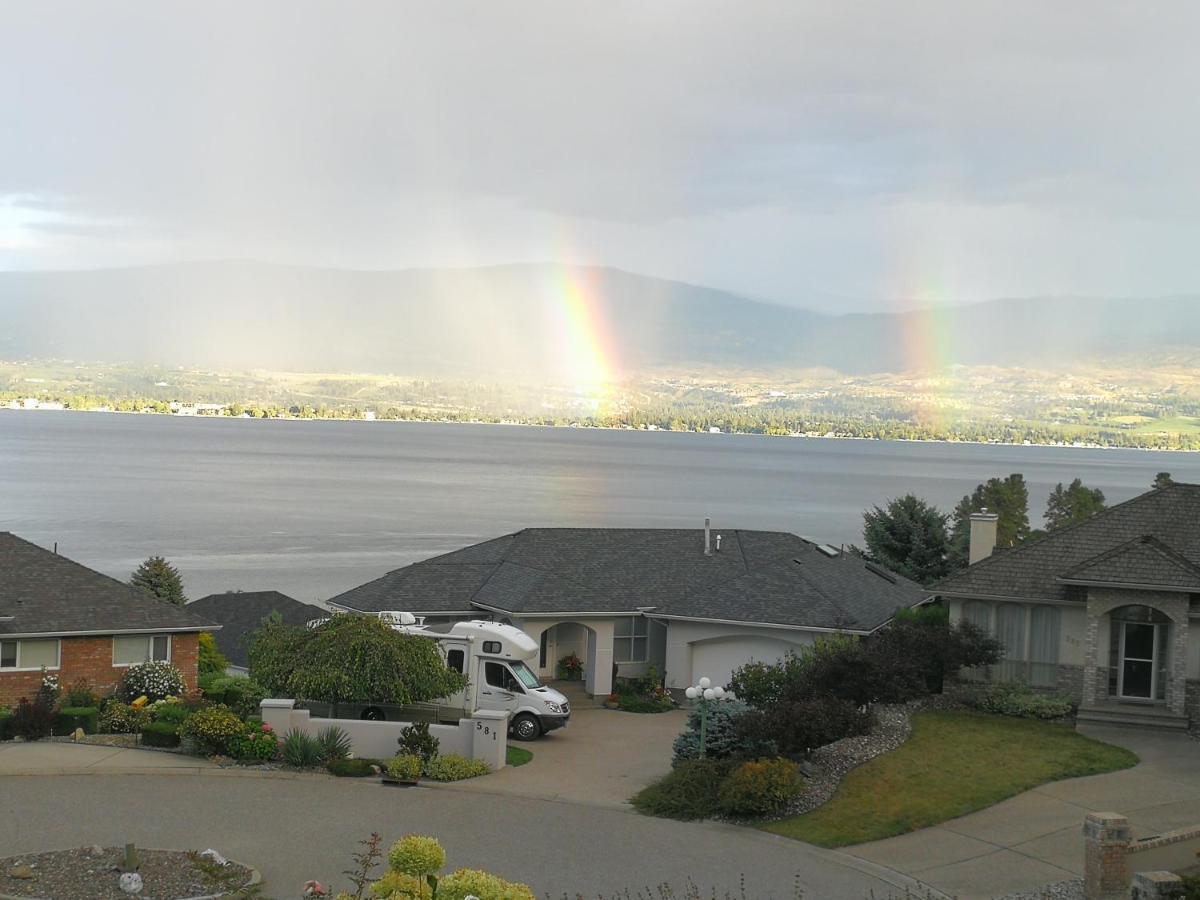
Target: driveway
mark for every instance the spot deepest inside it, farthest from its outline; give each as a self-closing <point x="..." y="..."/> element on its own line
<point x="1036" y="837"/>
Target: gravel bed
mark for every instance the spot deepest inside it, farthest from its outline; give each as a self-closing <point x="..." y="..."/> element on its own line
<point x="1060" y="890"/>
<point x="92" y="873"/>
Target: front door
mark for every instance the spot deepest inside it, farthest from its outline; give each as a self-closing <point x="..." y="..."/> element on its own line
<point x="1139" y="662"/>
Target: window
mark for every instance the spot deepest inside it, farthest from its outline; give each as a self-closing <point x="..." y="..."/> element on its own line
<point x="978" y="614"/>
<point x="132" y="649"/>
<point x="630" y="636"/>
<point x="455" y="660"/>
<point x="1044" y="626"/>
<point x="1010" y="631"/>
<point x="497" y="676"/>
<point x="29" y="654"/>
<point x="491" y="647"/>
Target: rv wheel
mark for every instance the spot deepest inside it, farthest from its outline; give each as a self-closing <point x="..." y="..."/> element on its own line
<point x="373" y="714"/>
<point x="526" y="728"/>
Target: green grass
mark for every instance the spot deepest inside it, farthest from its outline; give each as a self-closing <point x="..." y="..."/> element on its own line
<point x="517" y="756"/>
<point x="1170" y="425"/>
<point x="954" y="763"/>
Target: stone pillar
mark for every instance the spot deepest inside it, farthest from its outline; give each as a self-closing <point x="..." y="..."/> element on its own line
<point x="1156" y="886"/>
<point x="1177" y="671"/>
<point x="1091" y="636"/>
<point x="1106" y="840"/>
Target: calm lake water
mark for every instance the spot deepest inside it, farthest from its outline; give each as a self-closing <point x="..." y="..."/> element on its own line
<point x="312" y="508"/>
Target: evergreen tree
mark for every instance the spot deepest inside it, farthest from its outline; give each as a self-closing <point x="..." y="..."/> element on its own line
<point x="1072" y="504"/>
<point x="1162" y="480"/>
<point x="1006" y="497"/>
<point x="909" y="537"/>
<point x="160" y="579"/>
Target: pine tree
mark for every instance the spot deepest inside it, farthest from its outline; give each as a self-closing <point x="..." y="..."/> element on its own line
<point x="160" y="579"/>
<point x="1008" y="498"/>
<point x="909" y="537"/>
<point x="1072" y="504"/>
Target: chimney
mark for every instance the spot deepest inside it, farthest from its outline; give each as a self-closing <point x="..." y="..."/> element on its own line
<point x="983" y="535"/>
<point x="718" y="545"/>
<point x="707" y="538"/>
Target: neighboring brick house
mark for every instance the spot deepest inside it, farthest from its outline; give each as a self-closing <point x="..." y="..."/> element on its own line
<point x="1100" y="611"/>
<point x="241" y="613"/>
<point x="79" y="623"/>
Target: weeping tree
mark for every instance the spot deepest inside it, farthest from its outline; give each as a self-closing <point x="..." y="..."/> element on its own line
<point x="350" y="659"/>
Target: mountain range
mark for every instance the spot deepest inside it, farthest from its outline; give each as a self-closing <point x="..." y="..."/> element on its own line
<point x="541" y="320"/>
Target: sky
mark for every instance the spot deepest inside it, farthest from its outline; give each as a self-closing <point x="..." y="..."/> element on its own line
<point x="838" y="156"/>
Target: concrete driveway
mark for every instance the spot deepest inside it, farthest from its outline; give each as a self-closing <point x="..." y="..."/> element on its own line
<point x="1036" y="837"/>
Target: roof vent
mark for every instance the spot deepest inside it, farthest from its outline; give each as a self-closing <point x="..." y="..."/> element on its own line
<point x="881" y="572"/>
<point x="831" y="552"/>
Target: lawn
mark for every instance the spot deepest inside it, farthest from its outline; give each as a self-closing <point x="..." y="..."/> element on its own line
<point x="954" y="763"/>
<point x="517" y="756"/>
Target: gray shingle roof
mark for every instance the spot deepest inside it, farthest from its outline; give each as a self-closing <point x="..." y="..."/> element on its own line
<point x="769" y="577"/>
<point x="1152" y="539"/>
<point x="49" y="594"/>
<point x="242" y="612"/>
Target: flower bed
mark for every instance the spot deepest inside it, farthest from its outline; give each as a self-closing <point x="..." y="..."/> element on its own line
<point x="92" y="874"/>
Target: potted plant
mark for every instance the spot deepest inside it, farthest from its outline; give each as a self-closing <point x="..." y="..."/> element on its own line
<point x="570" y="667"/>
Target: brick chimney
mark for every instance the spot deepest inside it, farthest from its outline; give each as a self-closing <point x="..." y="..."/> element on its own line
<point x="983" y="535"/>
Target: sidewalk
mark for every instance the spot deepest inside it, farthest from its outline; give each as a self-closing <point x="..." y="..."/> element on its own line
<point x="57" y="758"/>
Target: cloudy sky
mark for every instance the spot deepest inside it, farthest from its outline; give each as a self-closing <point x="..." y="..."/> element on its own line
<point x="839" y="156"/>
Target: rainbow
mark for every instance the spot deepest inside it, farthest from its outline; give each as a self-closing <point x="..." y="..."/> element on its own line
<point x="928" y="340"/>
<point x="587" y="357"/>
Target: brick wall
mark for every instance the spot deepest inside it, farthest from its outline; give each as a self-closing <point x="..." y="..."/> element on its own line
<point x="91" y="658"/>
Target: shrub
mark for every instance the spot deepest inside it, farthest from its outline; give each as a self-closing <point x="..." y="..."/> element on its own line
<point x="210" y="660"/>
<point x="212" y="728"/>
<point x="80" y="693"/>
<point x="334" y="743"/>
<point x="71" y="717"/>
<point x="6" y="717"/>
<point x="256" y="743"/>
<point x="243" y="695"/>
<point x="154" y="680"/>
<point x="417" y="741"/>
<point x="174" y="713"/>
<point x="405" y="767"/>
<point x="350" y="768"/>
<point x="760" y="788"/>
<point x="33" y="719"/>
<point x="416" y="855"/>
<point x="161" y="734"/>
<point x="121" y="718"/>
<point x="300" y="749"/>
<point x="465" y="883"/>
<point x="689" y="791"/>
<point x="721" y="737"/>
<point x="1019" y="700"/>
<point x="795" y="728"/>
<point x="452" y="767"/>
<point x="762" y="684"/>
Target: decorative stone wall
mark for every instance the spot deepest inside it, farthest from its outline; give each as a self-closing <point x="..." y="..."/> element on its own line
<point x="1192" y="703"/>
<point x="1069" y="682"/>
<point x="1106" y="838"/>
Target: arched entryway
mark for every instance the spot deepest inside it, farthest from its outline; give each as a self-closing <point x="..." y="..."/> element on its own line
<point x="591" y="643"/>
<point x="1139" y="654"/>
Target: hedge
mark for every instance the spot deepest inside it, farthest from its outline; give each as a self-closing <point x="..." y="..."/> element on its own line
<point x="161" y="734"/>
<point x="6" y="733"/>
<point x="71" y="717"/>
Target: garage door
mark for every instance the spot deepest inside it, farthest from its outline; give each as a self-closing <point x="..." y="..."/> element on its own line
<point x="718" y="657"/>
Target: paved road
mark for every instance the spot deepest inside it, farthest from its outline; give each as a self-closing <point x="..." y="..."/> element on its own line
<point x="306" y="827"/>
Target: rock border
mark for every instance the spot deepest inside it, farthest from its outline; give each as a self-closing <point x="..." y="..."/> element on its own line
<point x="255" y="875"/>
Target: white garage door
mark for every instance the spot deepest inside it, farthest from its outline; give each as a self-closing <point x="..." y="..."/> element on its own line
<point x="718" y="657"/>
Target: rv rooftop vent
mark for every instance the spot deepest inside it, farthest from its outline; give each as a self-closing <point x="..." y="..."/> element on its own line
<point x="827" y="550"/>
<point x="882" y="573"/>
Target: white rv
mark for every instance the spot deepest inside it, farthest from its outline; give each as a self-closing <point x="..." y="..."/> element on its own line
<point x="494" y="658"/>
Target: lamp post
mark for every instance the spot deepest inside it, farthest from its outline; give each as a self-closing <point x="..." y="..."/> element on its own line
<point x="706" y="694"/>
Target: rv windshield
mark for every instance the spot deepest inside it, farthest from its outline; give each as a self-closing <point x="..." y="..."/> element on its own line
<point x="525" y="674"/>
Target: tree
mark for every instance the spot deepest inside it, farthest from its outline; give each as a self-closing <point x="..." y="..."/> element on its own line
<point x="160" y="579"/>
<point x="350" y="659"/>
<point x="1162" y="480"/>
<point x="909" y="537"/>
<point x="1072" y="504"/>
<point x="1008" y="498"/>
<point x="210" y="661"/>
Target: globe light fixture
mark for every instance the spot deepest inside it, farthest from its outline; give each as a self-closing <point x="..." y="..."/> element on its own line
<point x="704" y="691"/>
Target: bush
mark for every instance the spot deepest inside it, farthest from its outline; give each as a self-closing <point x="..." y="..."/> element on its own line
<point x="300" y="749"/>
<point x="161" y="734"/>
<point x="690" y="791"/>
<point x="210" y="660"/>
<point x="795" y="728"/>
<point x="415" y="740"/>
<point x="212" y="727"/>
<point x="33" y="719"/>
<point x="71" y="717"/>
<point x="416" y="855"/>
<point x="1019" y="700"/>
<point x="6" y="732"/>
<point x="80" y="694"/>
<point x="721" y="737"/>
<point x="154" y="680"/>
<point x="465" y="883"/>
<point x="452" y="767"/>
<point x="762" y="684"/>
<point x="242" y="695"/>
<point x="405" y="767"/>
<point x="173" y="713"/>
<point x="334" y="743"/>
<point x="350" y="768"/>
<point x="760" y="788"/>
<point x="121" y="718"/>
<point x="256" y="743"/>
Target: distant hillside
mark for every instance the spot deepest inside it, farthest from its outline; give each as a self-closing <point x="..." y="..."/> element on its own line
<point x="516" y="320"/>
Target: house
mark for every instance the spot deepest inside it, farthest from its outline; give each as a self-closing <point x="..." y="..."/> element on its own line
<point x="1099" y="611"/>
<point x="77" y="623"/>
<point x="690" y="603"/>
<point x="240" y="613"/>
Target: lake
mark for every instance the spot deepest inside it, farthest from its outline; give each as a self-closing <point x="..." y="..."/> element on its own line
<point x="311" y="508"/>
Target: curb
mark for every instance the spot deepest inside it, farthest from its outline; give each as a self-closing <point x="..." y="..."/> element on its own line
<point x="255" y="876"/>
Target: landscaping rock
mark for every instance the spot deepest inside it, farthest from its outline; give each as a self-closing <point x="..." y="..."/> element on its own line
<point x="82" y="874"/>
<point x="1060" y="890"/>
<point x="23" y="872"/>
